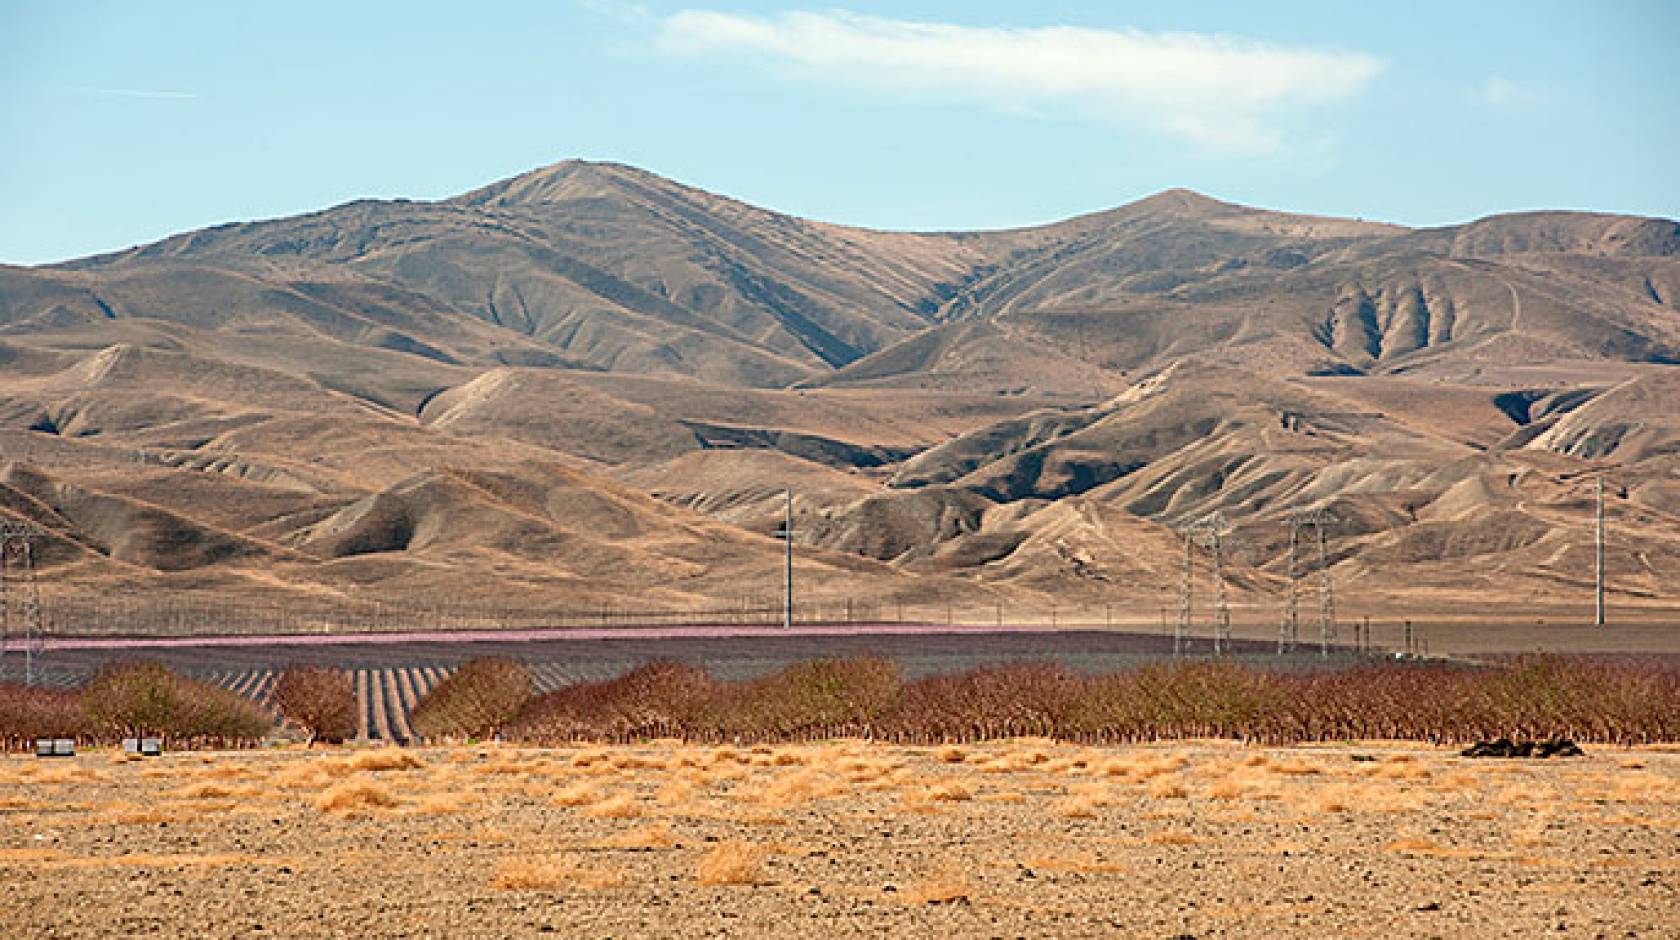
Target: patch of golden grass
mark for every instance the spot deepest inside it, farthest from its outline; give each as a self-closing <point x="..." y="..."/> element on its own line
<point x="581" y="793"/>
<point x="214" y="791"/>
<point x="1359" y="798"/>
<point x="732" y="863"/>
<point x="1645" y="788"/>
<point x="1002" y="796"/>
<point x="950" y="791"/>
<point x="123" y="757"/>
<point x="1413" y="846"/>
<point x="311" y="774"/>
<point x="355" y="795"/>
<point x="633" y="761"/>
<point x="545" y="874"/>
<point x="1167" y="788"/>
<point x="30" y="855"/>
<point x="385" y="758"/>
<point x="792" y="789"/>
<point x="618" y="806"/>
<point x="1397" y="770"/>
<point x="727" y="755"/>
<point x="1294" y="768"/>
<point x="72" y="773"/>
<point x="1075" y="807"/>
<point x="1079" y="862"/>
<point x="1524" y="795"/>
<point x="1143" y="767"/>
<point x="164" y="860"/>
<point x="950" y="754"/>
<point x="948" y="885"/>
<point x="227" y="772"/>
<point x="445" y="804"/>
<point x="676" y="794"/>
<point x="656" y="836"/>
<point x="1172" y="838"/>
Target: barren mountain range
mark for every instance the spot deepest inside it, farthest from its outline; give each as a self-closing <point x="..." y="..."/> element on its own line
<point x="587" y="386"/>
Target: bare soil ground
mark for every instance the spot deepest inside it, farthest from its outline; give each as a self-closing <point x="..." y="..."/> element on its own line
<point x="1022" y="838"/>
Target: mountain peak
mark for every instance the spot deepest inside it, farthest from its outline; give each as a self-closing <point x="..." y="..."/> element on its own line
<point x="560" y="182"/>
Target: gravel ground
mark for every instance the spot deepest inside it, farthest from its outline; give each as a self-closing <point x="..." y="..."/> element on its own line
<point x="1014" y="839"/>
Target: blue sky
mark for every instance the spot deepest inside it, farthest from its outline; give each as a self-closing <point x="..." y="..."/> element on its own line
<point x="122" y="122"/>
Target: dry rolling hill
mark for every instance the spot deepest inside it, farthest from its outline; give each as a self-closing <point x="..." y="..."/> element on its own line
<point x="587" y="387"/>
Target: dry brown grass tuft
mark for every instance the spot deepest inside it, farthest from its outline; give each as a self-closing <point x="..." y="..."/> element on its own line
<point x="546" y="874"/>
<point x="1144" y="767"/>
<point x="1414" y="846"/>
<point x="387" y="758"/>
<point x="354" y="796"/>
<point x="445" y="804"/>
<point x="308" y="775"/>
<point x="656" y="836"/>
<point x="617" y="806"/>
<point x="1293" y="768"/>
<point x="950" y="791"/>
<point x="70" y="774"/>
<point x="1075" y="807"/>
<point x="1359" y="798"/>
<point x="799" y="787"/>
<point x="732" y="863"/>
<point x="676" y="794"/>
<point x="1646" y="788"/>
<point x="1172" y="838"/>
<point x="227" y="772"/>
<point x="951" y="754"/>
<point x="214" y="791"/>
<point x="581" y="793"/>
<point x="1080" y="862"/>
<point x="944" y="886"/>
<point x="1167" y="788"/>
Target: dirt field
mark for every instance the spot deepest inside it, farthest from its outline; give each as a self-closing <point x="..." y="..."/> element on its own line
<point x="1024" y="838"/>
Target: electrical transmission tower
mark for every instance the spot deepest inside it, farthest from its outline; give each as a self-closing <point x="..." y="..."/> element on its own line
<point x="1289" y="629"/>
<point x="1210" y="533"/>
<point x="20" y="596"/>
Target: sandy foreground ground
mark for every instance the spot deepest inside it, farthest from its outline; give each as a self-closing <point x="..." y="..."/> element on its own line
<point x="1014" y="839"/>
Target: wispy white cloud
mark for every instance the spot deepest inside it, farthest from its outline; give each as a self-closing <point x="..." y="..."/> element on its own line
<point x="1220" y="90"/>
<point x="134" y="93"/>
<point x="1508" y="95"/>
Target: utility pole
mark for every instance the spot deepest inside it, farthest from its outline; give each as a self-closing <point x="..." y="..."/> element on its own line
<point x="1598" y="553"/>
<point x="1184" y="597"/>
<point x="787" y="533"/>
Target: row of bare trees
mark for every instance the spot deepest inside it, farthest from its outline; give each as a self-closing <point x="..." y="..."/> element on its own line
<point x="1620" y="702"/>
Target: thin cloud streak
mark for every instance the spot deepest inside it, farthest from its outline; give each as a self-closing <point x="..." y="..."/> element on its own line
<point x="1219" y="90"/>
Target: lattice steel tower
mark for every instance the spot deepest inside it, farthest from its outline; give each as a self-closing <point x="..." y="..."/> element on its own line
<point x="20" y="596"/>
<point x="1210" y="532"/>
<point x="1289" y="628"/>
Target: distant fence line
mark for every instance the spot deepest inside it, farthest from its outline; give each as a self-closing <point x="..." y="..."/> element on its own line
<point x="187" y="615"/>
